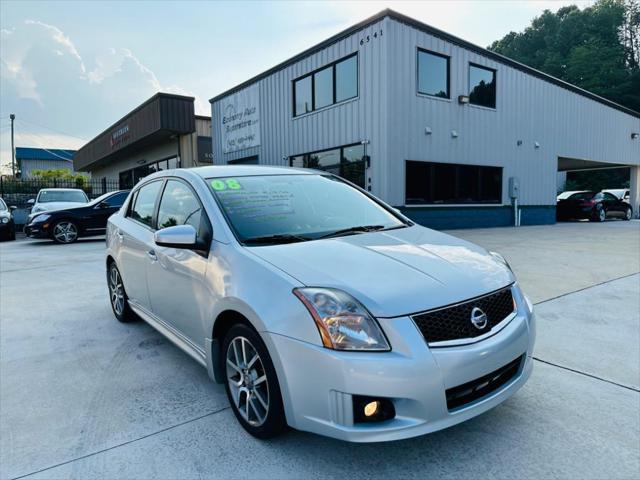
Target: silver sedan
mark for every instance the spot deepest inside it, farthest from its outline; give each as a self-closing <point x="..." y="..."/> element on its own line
<point x="317" y="305"/>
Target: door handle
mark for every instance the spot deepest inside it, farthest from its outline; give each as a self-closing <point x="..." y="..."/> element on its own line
<point x="120" y="235"/>
<point x="152" y="255"/>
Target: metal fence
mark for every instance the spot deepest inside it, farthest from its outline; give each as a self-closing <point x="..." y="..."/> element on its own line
<point x="10" y="186"/>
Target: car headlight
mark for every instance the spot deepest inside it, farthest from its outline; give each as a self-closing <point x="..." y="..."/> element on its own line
<point x="41" y="218"/>
<point x="501" y="259"/>
<point x="343" y="322"/>
<point x="4" y="220"/>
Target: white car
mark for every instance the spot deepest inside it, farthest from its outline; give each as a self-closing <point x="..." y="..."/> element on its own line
<point x="49" y="199"/>
<point x="620" y="193"/>
<point x="317" y="305"/>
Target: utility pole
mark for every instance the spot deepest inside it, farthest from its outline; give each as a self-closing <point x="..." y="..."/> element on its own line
<point x="13" y="150"/>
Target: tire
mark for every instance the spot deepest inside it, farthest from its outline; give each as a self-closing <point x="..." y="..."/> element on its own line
<point x="254" y="389"/>
<point x="118" y="297"/>
<point x="599" y="214"/>
<point x="65" y="231"/>
<point x="628" y="214"/>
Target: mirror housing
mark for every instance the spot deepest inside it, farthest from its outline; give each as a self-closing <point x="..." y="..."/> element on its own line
<point x="178" y="236"/>
<point x="103" y="205"/>
<point x="31" y="201"/>
<point x="13" y="207"/>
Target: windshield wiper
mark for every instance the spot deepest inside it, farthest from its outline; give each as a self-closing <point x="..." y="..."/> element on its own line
<point x="357" y="229"/>
<point x="274" y="239"/>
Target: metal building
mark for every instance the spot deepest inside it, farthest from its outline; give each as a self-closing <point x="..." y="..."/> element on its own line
<point x="29" y="159"/>
<point x="451" y="133"/>
<point x="159" y="134"/>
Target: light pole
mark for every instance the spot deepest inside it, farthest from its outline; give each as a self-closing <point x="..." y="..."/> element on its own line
<point x="13" y="150"/>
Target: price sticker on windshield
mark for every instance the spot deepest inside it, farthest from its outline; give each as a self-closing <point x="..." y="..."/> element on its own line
<point x="226" y="184"/>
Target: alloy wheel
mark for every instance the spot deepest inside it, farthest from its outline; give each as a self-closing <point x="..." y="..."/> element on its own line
<point x="116" y="291"/>
<point x="247" y="381"/>
<point x="628" y="214"/>
<point x="65" y="232"/>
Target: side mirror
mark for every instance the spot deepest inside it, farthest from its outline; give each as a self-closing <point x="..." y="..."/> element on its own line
<point x="12" y="208"/>
<point x="179" y="236"/>
<point x="31" y="201"/>
<point x="103" y="205"/>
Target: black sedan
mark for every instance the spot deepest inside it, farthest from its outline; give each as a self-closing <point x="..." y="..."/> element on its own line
<point x="596" y="207"/>
<point x="67" y="225"/>
<point x="7" y="224"/>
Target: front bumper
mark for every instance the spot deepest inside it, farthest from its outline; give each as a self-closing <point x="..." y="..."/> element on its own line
<point x="37" y="230"/>
<point x="317" y="384"/>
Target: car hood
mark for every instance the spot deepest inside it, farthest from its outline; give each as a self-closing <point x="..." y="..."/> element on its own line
<point x="396" y="272"/>
<point x="54" y="206"/>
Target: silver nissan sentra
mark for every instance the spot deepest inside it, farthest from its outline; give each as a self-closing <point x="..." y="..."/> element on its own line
<point x="317" y="305"/>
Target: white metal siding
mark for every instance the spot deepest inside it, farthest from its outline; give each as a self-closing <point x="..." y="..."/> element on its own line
<point x="392" y="117"/>
<point x="564" y="123"/>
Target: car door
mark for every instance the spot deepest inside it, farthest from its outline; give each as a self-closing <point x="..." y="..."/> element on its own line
<point x="177" y="286"/>
<point x="612" y="204"/>
<point x="96" y="218"/>
<point x="135" y="235"/>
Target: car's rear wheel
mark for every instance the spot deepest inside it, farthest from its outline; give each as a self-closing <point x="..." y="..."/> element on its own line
<point x="251" y="383"/>
<point x="628" y="214"/>
<point x="65" y="231"/>
<point x="118" y="296"/>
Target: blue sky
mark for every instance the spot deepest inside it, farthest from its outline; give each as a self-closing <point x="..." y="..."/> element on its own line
<point x="70" y="69"/>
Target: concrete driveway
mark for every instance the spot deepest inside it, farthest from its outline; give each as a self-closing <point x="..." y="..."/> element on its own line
<point x="82" y="396"/>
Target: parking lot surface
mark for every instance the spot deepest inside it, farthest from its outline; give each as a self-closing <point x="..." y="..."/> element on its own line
<point x="82" y="396"/>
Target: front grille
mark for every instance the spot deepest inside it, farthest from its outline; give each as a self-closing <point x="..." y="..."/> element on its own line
<point x="454" y="322"/>
<point x="483" y="386"/>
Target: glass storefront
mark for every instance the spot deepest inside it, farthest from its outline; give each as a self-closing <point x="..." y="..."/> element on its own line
<point x="128" y="178"/>
<point x="347" y="162"/>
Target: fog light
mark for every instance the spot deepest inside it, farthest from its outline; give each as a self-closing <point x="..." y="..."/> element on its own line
<point x="371" y="409"/>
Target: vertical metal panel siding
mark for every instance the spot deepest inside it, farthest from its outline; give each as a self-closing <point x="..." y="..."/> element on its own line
<point x="352" y="121"/>
<point x="527" y="108"/>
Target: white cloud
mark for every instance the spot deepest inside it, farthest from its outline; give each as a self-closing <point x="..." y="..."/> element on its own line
<point x="46" y="80"/>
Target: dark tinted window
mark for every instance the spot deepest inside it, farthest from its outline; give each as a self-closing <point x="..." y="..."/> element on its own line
<point x="323" y="87"/>
<point x="142" y="209"/>
<point x="433" y="74"/>
<point x="347" y="162"/>
<point x="605" y="196"/>
<point x="482" y="86"/>
<point x="428" y="182"/>
<point x="302" y="92"/>
<point x="117" y="200"/>
<point x="331" y="84"/>
<point x="347" y="79"/>
<point x="582" y="196"/>
<point x="179" y="206"/>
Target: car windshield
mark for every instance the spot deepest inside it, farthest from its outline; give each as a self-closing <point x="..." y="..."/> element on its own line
<point x="75" y="196"/>
<point x="3" y="206"/>
<point x="582" y="196"/>
<point x="297" y="207"/>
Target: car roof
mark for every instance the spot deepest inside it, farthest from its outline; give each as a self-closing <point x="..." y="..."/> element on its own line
<point x="248" y="170"/>
<point x="63" y="189"/>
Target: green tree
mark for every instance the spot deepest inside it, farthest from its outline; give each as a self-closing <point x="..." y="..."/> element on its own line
<point x="596" y="48"/>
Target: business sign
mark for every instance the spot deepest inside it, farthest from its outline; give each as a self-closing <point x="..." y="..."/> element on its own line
<point x="205" y="153"/>
<point x="241" y="120"/>
<point x="120" y="136"/>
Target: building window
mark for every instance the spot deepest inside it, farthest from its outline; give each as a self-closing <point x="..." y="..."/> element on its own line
<point x="252" y="160"/>
<point x="451" y="183"/>
<point x="433" y="74"/>
<point x="482" y="86"/>
<point x="128" y="178"/>
<point x="347" y="162"/>
<point x="326" y="86"/>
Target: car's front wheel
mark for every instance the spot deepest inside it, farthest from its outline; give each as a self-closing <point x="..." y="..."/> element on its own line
<point x="251" y="383"/>
<point x="628" y="214"/>
<point x="118" y="296"/>
<point x="65" y="231"/>
<point x="600" y="214"/>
